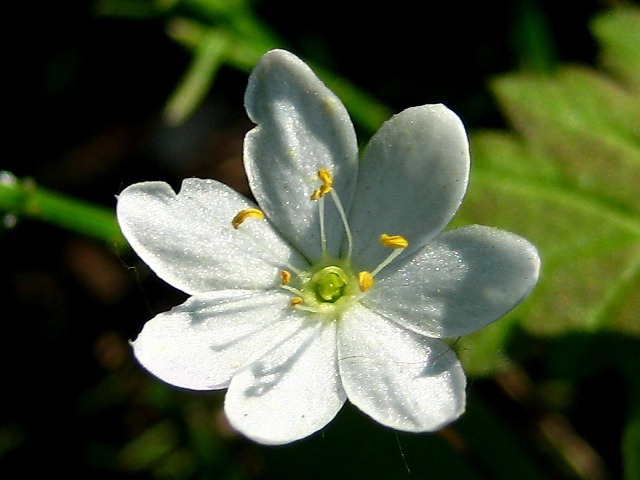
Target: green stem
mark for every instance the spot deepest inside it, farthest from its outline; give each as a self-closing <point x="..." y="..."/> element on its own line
<point x="23" y="198"/>
<point x="243" y="52"/>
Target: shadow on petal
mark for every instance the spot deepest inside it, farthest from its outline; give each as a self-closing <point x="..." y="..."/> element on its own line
<point x="199" y="310"/>
<point x="438" y="365"/>
<point x="268" y="376"/>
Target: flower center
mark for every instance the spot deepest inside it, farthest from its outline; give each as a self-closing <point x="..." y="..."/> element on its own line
<point x="329" y="286"/>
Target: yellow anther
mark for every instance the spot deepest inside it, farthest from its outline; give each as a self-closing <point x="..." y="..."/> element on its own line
<point x="244" y="214"/>
<point x="285" y="276"/>
<point x="365" y="280"/>
<point x="327" y="182"/>
<point x="296" y="301"/>
<point x="325" y="176"/>
<point x="393" y="241"/>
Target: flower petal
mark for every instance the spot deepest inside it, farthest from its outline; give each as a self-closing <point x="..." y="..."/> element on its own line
<point x="200" y="344"/>
<point x="302" y="127"/>
<point x="188" y="241"/>
<point x="290" y="392"/>
<point x="412" y="179"/>
<point x="401" y="379"/>
<point x="460" y="282"/>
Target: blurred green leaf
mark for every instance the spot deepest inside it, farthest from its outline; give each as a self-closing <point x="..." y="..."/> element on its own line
<point x="566" y="179"/>
<point x="587" y="123"/>
<point x="150" y="448"/>
<point x="618" y="31"/>
<point x="482" y="353"/>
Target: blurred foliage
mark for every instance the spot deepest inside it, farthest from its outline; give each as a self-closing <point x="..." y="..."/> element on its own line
<point x="220" y="32"/>
<point x="567" y="178"/>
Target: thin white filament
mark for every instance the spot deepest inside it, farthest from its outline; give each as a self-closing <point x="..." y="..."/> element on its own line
<point x="323" y="237"/>
<point x="387" y="261"/>
<point x="343" y="216"/>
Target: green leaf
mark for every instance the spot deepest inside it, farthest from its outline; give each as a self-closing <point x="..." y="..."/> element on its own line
<point x="587" y="123"/>
<point x="590" y="250"/>
<point x="149" y="448"/>
<point x="566" y="178"/>
<point x="618" y="31"/>
<point x="482" y="353"/>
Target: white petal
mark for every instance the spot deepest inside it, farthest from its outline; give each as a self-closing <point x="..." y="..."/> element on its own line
<point x="200" y="344"/>
<point x="412" y="179"/>
<point x="460" y="282"/>
<point x="302" y="127"/>
<point x="290" y="392"/>
<point x="188" y="240"/>
<point x="401" y="379"/>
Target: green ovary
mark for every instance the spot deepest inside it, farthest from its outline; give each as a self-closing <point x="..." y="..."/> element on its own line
<point x="329" y="284"/>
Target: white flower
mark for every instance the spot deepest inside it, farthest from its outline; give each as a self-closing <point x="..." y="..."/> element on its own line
<point x="339" y="283"/>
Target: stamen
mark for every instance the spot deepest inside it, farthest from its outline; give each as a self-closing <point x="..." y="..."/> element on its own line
<point x="306" y="308"/>
<point x="242" y="215"/>
<point x="261" y="249"/>
<point x="343" y="217"/>
<point x="327" y="182"/>
<point x="296" y="301"/>
<point x="365" y="280"/>
<point x="393" y="241"/>
<point x="318" y="194"/>
<point x="285" y="276"/>
<point x="397" y="242"/>
<point x="323" y="236"/>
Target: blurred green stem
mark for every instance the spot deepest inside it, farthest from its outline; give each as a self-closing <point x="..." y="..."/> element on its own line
<point x="208" y="57"/>
<point x="213" y="46"/>
<point x="23" y="198"/>
<point x="228" y="33"/>
<point x="532" y="38"/>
